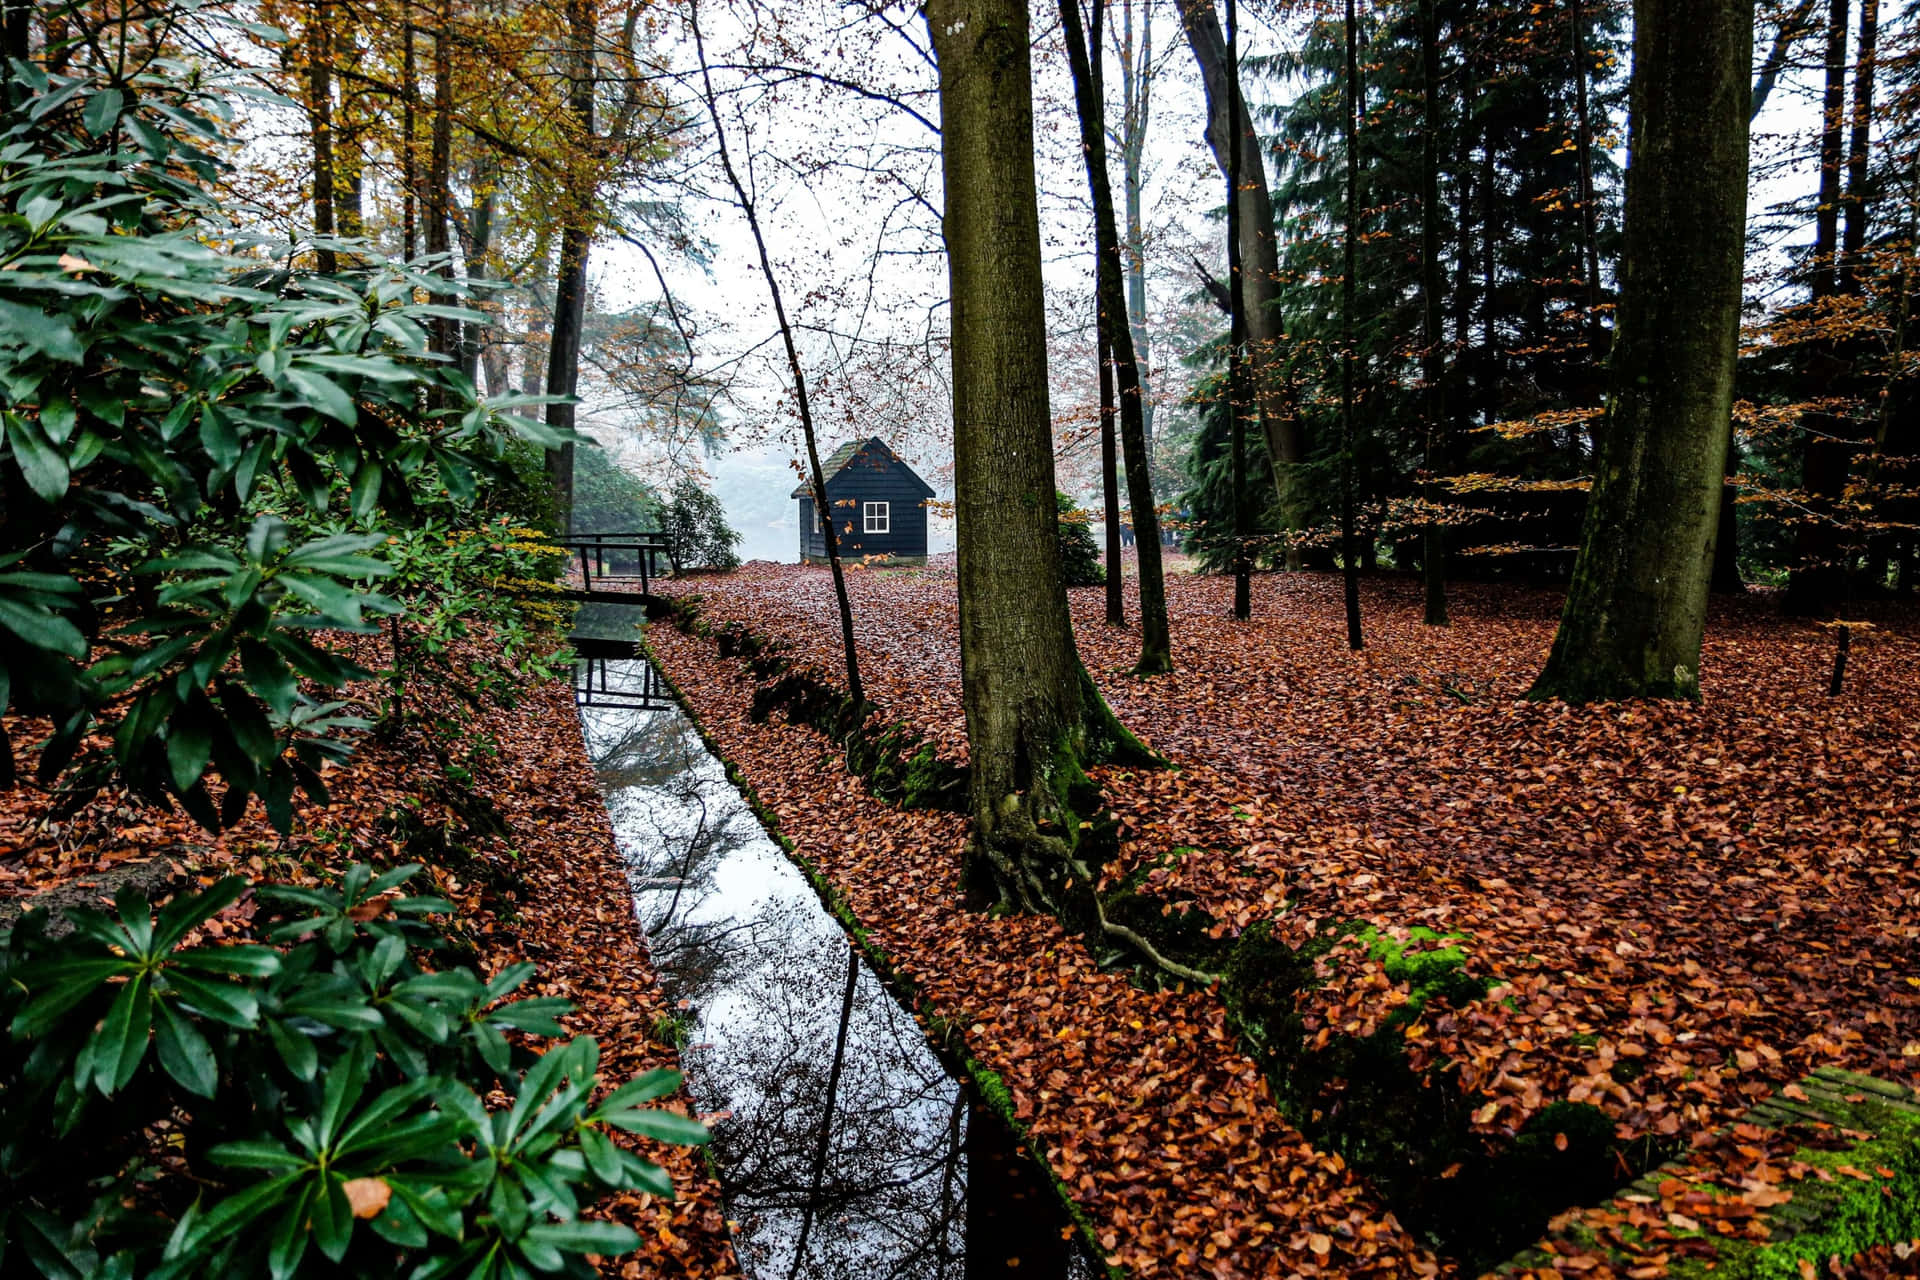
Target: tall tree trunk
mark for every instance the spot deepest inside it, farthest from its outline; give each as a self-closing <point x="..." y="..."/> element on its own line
<point x="1350" y="238"/>
<point x="477" y="247"/>
<point x="1792" y="27"/>
<point x="1433" y="567"/>
<point x="1826" y="243"/>
<point x="535" y="347"/>
<point x="1589" y="211"/>
<point x="817" y="479"/>
<point x="1490" y="359"/>
<point x="1896" y="437"/>
<point x="1136" y="108"/>
<point x="1156" y="648"/>
<point x="320" y="114"/>
<point x="1237" y="400"/>
<point x="349" y="146"/>
<point x="1460" y="396"/>
<point x="1110" y="479"/>
<point x="1033" y="716"/>
<point x="1726" y="539"/>
<point x="1853" y="269"/>
<point x="445" y="333"/>
<point x="1636" y="609"/>
<point x="409" y="131"/>
<point x="1259" y="256"/>
<point x="1826" y="456"/>
<point x="576" y="235"/>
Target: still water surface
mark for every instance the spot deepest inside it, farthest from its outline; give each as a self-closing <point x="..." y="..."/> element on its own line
<point x="846" y="1148"/>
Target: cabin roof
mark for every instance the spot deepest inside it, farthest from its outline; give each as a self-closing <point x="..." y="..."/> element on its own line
<point x="838" y="460"/>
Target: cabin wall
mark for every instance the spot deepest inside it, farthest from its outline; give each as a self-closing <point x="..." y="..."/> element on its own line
<point x="870" y="478"/>
<point x="907" y="537"/>
<point x="813" y="546"/>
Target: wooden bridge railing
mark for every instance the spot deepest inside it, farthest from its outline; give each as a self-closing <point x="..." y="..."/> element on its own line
<point x="595" y="684"/>
<point x="618" y="559"/>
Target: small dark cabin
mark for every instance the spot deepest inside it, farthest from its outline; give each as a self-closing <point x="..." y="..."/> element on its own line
<point x="879" y="505"/>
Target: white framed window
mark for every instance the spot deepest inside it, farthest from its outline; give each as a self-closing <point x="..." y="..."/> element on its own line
<point x="815" y="508"/>
<point x="876" y="517"/>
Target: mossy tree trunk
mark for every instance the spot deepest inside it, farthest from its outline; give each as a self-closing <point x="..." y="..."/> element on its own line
<point x="1636" y="610"/>
<point x="1110" y="482"/>
<point x="1033" y="717"/>
<point x="1156" y="648"/>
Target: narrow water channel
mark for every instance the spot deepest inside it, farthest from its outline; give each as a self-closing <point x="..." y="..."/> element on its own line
<point x="845" y="1148"/>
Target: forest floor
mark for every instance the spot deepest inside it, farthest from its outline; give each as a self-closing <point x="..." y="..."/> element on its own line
<point x="502" y="807"/>
<point x="1652" y="913"/>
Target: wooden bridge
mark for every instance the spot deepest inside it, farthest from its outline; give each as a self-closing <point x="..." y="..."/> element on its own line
<point x="596" y="684"/>
<point x="616" y="568"/>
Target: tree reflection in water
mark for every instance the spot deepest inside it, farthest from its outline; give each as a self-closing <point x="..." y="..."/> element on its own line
<point x="848" y="1150"/>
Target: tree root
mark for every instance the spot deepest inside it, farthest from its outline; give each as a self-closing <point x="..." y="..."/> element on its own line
<point x="1147" y="949"/>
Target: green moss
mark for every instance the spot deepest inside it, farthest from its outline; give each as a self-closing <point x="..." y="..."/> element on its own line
<point x="1430" y="963"/>
<point x="1856" y="1215"/>
<point x="671" y="1029"/>
<point x="930" y="781"/>
<point x="1844" y="1216"/>
<point x="993" y="1090"/>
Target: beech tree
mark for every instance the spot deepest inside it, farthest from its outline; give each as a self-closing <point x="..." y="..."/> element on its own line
<point x="1034" y="719"/>
<point x="1132" y="42"/>
<point x="1636" y="610"/>
<point x="1238" y="402"/>
<point x="1156" y="648"/>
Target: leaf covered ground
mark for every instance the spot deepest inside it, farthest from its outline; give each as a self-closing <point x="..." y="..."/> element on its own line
<point x="504" y="810"/>
<point x="1673" y="910"/>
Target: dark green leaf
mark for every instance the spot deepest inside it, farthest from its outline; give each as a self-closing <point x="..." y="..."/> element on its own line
<point x="184" y="1052"/>
<point x="121" y="1041"/>
<point x="585" y="1237"/>
<point x="42" y="629"/>
<point x="42" y="464"/>
<point x="290" y="1237"/>
<point x="323" y="393"/>
<point x="666" y="1126"/>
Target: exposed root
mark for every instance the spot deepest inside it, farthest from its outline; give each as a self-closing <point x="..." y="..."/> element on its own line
<point x="1139" y="943"/>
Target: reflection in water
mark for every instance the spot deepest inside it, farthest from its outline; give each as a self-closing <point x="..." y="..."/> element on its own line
<point x="846" y="1151"/>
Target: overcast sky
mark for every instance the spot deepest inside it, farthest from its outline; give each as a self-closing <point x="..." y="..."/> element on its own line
<point x="845" y="189"/>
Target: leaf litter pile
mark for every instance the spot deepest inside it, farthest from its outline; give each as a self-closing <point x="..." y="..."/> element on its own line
<point x="523" y="850"/>
<point x="1673" y="910"/>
